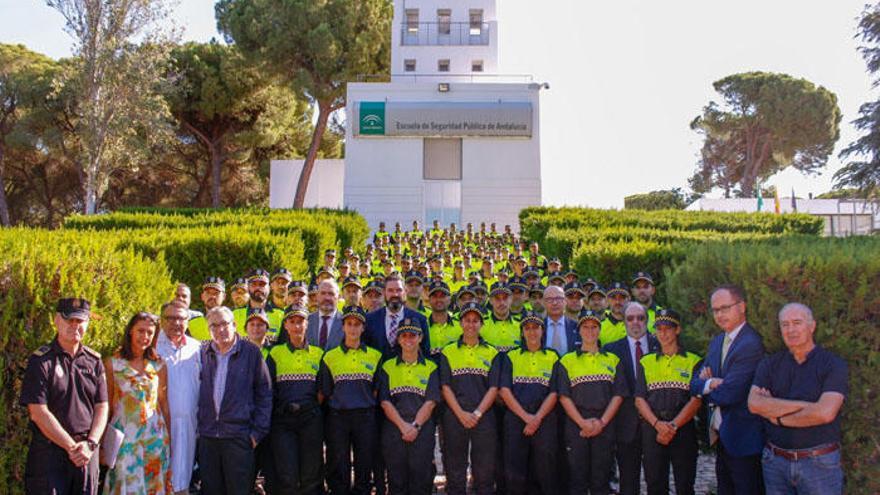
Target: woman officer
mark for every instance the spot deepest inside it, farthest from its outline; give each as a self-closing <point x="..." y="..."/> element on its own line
<point x="667" y="407"/>
<point x="591" y="388"/>
<point x="530" y="433"/>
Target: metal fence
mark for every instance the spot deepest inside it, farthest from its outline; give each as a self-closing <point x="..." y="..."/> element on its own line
<point x="444" y="33"/>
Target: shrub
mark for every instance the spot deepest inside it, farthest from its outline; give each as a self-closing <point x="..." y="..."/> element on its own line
<point x="37" y="268"/>
<point x="839" y="279"/>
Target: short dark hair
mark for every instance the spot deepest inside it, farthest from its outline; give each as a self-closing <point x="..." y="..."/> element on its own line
<point x="394" y="277"/>
<point x="736" y="291"/>
<point x="150" y="354"/>
<point x="177" y="305"/>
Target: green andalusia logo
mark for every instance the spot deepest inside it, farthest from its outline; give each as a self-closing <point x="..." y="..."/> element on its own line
<point x="372" y="118"/>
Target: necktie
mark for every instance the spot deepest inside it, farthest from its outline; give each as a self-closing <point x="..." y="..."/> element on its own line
<point x="724" y="348"/>
<point x="639" y="352"/>
<point x="392" y="330"/>
<point x="322" y="339"/>
<point x="557" y="339"/>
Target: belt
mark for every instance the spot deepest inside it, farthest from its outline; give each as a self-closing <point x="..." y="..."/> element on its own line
<point x="796" y="455"/>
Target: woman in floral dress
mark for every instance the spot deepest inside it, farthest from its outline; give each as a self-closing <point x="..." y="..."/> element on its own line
<point x="137" y="385"/>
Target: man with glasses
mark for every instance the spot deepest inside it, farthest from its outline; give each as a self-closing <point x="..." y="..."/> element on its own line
<point x="630" y="349"/>
<point x="562" y="333"/>
<point x="724" y="384"/>
<point x="180" y="354"/>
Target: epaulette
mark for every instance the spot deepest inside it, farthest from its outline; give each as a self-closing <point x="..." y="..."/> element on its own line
<point x="92" y="352"/>
<point x="42" y="350"/>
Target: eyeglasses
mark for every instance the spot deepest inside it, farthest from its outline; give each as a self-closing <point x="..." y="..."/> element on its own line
<point x="219" y="325"/>
<point x="556" y="299"/>
<point x="723" y="309"/>
<point x="636" y="318"/>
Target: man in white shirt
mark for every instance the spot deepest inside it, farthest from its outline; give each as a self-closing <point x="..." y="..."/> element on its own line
<point x="181" y="356"/>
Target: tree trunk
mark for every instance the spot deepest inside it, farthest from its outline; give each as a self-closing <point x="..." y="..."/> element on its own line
<point x="215" y="149"/>
<point x="324" y="111"/>
<point x="4" y="205"/>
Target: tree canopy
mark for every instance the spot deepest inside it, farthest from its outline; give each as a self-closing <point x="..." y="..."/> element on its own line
<point x="764" y="123"/>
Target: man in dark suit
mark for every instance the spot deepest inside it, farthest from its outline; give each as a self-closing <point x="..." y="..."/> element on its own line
<point x="382" y="324"/>
<point x="324" y="325"/>
<point x="724" y="385"/>
<point x="562" y="332"/>
<point x="637" y="343"/>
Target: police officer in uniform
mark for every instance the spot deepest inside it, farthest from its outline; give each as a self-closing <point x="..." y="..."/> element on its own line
<point x="591" y="390"/>
<point x="297" y="426"/>
<point x="530" y="428"/>
<point x="409" y="389"/>
<point x="667" y="408"/>
<point x="443" y="328"/>
<point x="347" y="378"/>
<point x="469" y="372"/>
<point x="65" y="392"/>
<point x="613" y="326"/>
<point x="501" y="329"/>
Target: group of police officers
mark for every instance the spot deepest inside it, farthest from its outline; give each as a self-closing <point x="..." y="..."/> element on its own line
<point x="536" y="380"/>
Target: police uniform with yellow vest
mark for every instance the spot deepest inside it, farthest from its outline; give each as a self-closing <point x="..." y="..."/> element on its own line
<point x="530" y="461"/>
<point x="469" y="372"/>
<point x="198" y="326"/>
<point x="613" y="329"/>
<point x="296" y="435"/>
<point x="503" y="334"/>
<point x="347" y="379"/>
<point x="591" y="381"/>
<point x="663" y="381"/>
<point x="407" y="387"/>
<point x="441" y="334"/>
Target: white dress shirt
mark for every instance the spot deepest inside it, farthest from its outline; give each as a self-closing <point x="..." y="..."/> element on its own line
<point x="183" y="364"/>
<point x="388" y="316"/>
<point x="732" y="336"/>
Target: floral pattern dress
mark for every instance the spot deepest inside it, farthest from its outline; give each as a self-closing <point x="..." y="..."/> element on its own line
<point x="143" y="463"/>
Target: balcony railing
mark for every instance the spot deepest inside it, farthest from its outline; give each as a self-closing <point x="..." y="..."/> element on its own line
<point x="444" y="33"/>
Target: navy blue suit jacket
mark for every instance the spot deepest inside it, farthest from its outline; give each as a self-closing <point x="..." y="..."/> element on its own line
<point x="741" y="431"/>
<point x="572" y="336"/>
<point x="376" y="337"/>
<point x="627" y="419"/>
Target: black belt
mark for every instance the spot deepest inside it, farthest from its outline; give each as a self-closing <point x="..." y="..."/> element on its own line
<point x="796" y="455"/>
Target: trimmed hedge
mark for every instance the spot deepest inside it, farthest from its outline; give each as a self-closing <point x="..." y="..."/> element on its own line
<point x="839" y="279"/>
<point x="37" y="268"/>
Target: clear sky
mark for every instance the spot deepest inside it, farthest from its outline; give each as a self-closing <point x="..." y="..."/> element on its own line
<point x="626" y="77"/>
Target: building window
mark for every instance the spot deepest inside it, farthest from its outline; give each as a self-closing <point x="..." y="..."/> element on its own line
<point x="477" y="66"/>
<point x="476" y="17"/>
<point x="443" y="65"/>
<point x="409" y="65"/>
<point x="444" y="21"/>
<point x="412" y="21"/>
<point x="442" y="159"/>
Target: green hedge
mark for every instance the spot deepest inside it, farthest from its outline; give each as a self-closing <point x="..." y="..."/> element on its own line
<point x="319" y="229"/>
<point x="839" y="279"/>
<point x="37" y="268"/>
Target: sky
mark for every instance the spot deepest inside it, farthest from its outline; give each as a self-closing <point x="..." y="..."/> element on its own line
<point x="626" y="77"/>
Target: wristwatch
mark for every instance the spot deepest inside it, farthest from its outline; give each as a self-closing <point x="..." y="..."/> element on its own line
<point x="478" y="414"/>
<point x="92" y="444"/>
<point x="674" y="426"/>
<point x="417" y="426"/>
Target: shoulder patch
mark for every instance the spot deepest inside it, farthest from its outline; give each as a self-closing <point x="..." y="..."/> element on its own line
<point x="42" y="350"/>
<point x="92" y="352"/>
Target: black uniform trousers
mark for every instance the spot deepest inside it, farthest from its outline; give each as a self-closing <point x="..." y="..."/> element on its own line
<point x="380" y="478"/>
<point x="589" y="460"/>
<point x="629" y="447"/>
<point x="346" y="431"/>
<point x="410" y="464"/>
<point x="500" y="411"/>
<point x="265" y="465"/>
<point x="227" y="465"/>
<point x="482" y="440"/>
<point x="738" y="475"/>
<point x="297" y="448"/>
<point x="49" y="470"/>
<point x="530" y="464"/>
<point x="681" y="453"/>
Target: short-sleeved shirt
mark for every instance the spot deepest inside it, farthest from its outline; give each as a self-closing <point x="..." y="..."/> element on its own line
<point x="664" y="382"/>
<point x="408" y="386"/>
<point x="70" y="386"/>
<point x="821" y="372"/>
<point x="470" y="371"/>
<point x="347" y="377"/>
<point x="294" y="374"/>
<point x="591" y="380"/>
<point x="611" y="329"/>
<point x="530" y="376"/>
<point x="444" y="334"/>
<point x="504" y="335"/>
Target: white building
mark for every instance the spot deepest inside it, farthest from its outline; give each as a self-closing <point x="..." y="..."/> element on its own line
<point x="843" y="217"/>
<point x="449" y="137"/>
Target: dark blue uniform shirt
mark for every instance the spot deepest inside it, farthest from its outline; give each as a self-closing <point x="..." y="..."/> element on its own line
<point x="822" y="372"/>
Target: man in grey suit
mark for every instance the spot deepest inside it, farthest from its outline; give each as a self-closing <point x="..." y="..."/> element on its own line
<point x="325" y="324"/>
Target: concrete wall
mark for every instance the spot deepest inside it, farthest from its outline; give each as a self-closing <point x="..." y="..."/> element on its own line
<point x="500" y="176"/>
<point x="325" y="187"/>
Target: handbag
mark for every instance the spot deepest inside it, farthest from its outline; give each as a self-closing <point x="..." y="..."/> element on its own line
<point x="110" y="444"/>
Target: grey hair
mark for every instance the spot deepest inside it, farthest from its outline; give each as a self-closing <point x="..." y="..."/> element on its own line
<point x="631" y="303"/>
<point x="553" y="288"/>
<point x="799" y="306"/>
<point x="223" y="311"/>
<point x="331" y="283"/>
